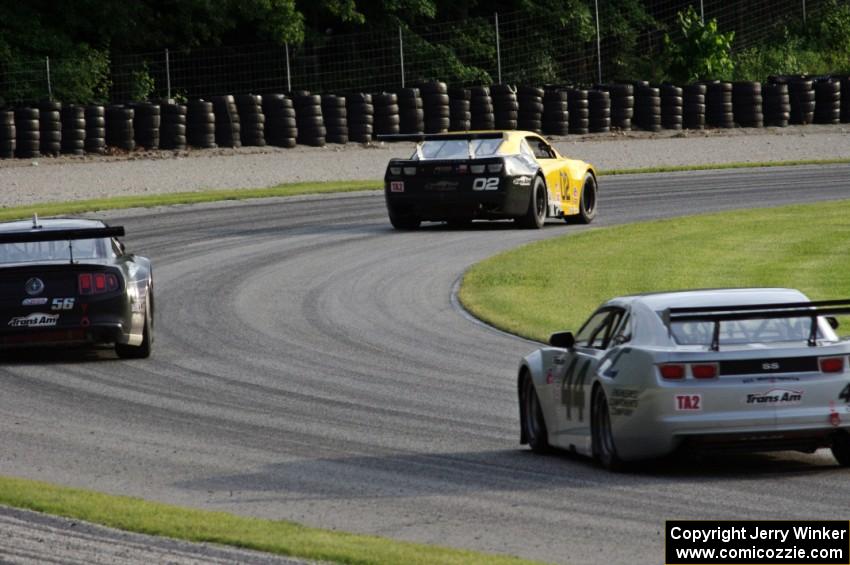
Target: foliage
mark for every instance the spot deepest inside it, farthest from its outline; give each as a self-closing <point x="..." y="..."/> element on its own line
<point x="702" y="52"/>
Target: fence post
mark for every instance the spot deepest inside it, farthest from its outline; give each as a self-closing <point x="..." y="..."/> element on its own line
<point x="288" y="76"/>
<point x="49" y="87"/>
<point x="167" y="75"/>
<point x="702" y="12"/>
<point x="401" y="54"/>
<point x="498" y="50"/>
<point x="598" y="42"/>
<point x="804" y="12"/>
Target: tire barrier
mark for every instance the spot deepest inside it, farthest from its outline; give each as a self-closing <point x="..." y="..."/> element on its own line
<point x="672" y="107"/>
<point x="693" y="106"/>
<point x="827" y="101"/>
<point x="505" y="106"/>
<point x="530" y="100"/>
<point x="386" y="113"/>
<point x="361" y="117"/>
<point x="281" y="126"/>
<point x="95" y="128"/>
<point x="647" y="107"/>
<point x="252" y="121"/>
<point x="435" y="102"/>
<point x="146" y="124"/>
<point x="460" y="115"/>
<point x="228" y="123"/>
<point x="777" y="105"/>
<point x="556" y="115"/>
<point x="622" y="104"/>
<point x="801" y="93"/>
<point x="845" y="99"/>
<point x="172" y="132"/>
<point x="50" y="127"/>
<point x="309" y="120"/>
<point x="481" y="108"/>
<point x="119" y="127"/>
<point x="748" y="104"/>
<point x="579" y="111"/>
<point x="599" y="111"/>
<point x="411" y="112"/>
<point x="8" y="134"/>
<point x="719" y="112"/>
<point x="336" y="118"/>
<point x="73" y="119"/>
<point x="200" y="124"/>
<point x="27" y="133"/>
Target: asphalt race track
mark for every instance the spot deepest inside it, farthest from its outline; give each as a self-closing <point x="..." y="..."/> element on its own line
<point x="310" y="365"/>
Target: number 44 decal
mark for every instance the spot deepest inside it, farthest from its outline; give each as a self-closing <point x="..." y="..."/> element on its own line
<point x="62" y="304"/>
<point x="845" y="394"/>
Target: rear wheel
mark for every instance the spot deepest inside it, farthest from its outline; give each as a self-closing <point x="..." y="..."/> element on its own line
<point x="841" y="448"/>
<point x="403" y="221"/>
<point x="535" y="216"/>
<point x="533" y="424"/>
<point x="604" y="450"/>
<point x="587" y="205"/>
<point x="143" y="350"/>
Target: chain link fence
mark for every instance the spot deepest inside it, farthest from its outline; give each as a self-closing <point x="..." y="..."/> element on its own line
<point x="516" y="48"/>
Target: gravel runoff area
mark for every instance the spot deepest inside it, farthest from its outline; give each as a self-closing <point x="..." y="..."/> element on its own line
<point x="24" y="182"/>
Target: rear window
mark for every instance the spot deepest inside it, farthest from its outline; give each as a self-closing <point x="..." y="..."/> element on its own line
<point x="39" y="251"/>
<point x="750" y="331"/>
<point x="459" y="148"/>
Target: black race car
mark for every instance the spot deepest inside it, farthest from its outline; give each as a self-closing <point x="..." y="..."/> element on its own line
<point x="69" y="282"/>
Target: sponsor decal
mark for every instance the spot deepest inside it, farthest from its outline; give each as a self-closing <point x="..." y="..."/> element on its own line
<point x="776" y="379"/>
<point x="34" y="286"/>
<point x="523" y="180"/>
<point x="688" y="402"/>
<point x="549" y="378"/>
<point x="34" y="301"/>
<point x="397" y="186"/>
<point x="62" y="304"/>
<point x="775" y="397"/>
<point x="623" y="401"/>
<point x="575" y="193"/>
<point x="482" y="183"/>
<point x="35" y="320"/>
<point x="442" y="186"/>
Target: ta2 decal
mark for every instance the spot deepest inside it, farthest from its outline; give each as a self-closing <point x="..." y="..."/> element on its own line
<point x="688" y="402"/>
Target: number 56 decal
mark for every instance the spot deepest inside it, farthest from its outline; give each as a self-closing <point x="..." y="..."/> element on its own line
<point x="62" y="304"/>
<point x="486" y="184"/>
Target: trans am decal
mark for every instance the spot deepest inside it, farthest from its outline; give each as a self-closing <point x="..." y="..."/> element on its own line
<point x="775" y="397"/>
<point x="35" y="320"/>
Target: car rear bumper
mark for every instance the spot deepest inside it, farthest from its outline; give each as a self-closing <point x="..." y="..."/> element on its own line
<point x="93" y="334"/>
<point x="509" y="201"/>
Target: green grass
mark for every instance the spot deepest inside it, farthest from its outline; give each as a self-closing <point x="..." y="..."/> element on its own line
<point x="555" y="284"/>
<point x="274" y="536"/>
<point x="720" y="166"/>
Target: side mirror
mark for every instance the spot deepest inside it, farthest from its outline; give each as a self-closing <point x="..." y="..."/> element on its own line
<point x="565" y="340"/>
<point x="833" y="322"/>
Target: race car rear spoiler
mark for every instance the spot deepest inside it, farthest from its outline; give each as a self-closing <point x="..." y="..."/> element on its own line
<point x="719" y="314"/>
<point x="395" y="137"/>
<point x="61" y="235"/>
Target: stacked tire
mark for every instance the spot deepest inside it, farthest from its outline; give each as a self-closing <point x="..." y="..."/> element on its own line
<point x="435" y="102"/>
<point x="361" y="117"/>
<point x="200" y="124"/>
<point x="801" y="92"/>
<point x="50" y="127"/>
<point x="748" y="104"/>
<point x="73" y="129"/>
<point x="693" y="106"/>
<point x="672" y="107"/>
<point x="719" y="111"/>
<point x="647" y="107"/>
<point x="228" y="123"/>
<point x="172" y="133"/>
<point x="599" y="111"/>
<point x="146" y="124"/>
<point x="281" y="126"/>
<point x="309" y="120"/>
<point x="460" y="114"/>
<point x="845" y="100"/>
<point x="119" y="127"/>
<point x="411" y="114"/>
<point x="335" y="116"/>
<point x="777" y="105"/>
<point x="505" y="106"/>
<point x="95" y="128"/>
<point x="481" y="108"/>
<point x="622" y="105"/>
<point x="28" y="135"/>
<point x="7" y="134"/>
<point x="530" y="100"/>
<point x="556" y="115"/>
<point x="252" y="121"/>
<point x="386" y="113"/>
<point x="579" y="111"/>
<point x="827" y="101"/>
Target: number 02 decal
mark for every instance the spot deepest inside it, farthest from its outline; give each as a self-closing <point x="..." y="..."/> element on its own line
<point x="485" y="184"/>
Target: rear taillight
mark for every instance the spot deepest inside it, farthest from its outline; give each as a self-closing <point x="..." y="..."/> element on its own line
<point x="831" y="364"/>
<point x="97" y="283"/>
<point x="704" y="370"/>
<point x="672" y="371"/>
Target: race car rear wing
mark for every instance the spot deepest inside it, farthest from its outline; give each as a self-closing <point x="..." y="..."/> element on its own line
<point x="395" y="137"/>
<point x="719" y="314"/>
<point x="61" y="235"/>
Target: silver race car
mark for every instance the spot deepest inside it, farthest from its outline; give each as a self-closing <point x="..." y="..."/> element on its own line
<point x="735" y="369"/>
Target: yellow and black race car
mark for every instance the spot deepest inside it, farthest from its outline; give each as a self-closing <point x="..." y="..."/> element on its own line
<point x="460" y="177"/>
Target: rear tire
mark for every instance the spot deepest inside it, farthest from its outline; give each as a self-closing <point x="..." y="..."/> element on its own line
<point x="587" y="206"/>
<point x="535" y="216"/>
<point x="604" y="450"/>
<point x="403" y="221"/>
<point x="533" y="424"/>
<point x="841" y="448"/>
<point x="143" y="350"/>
